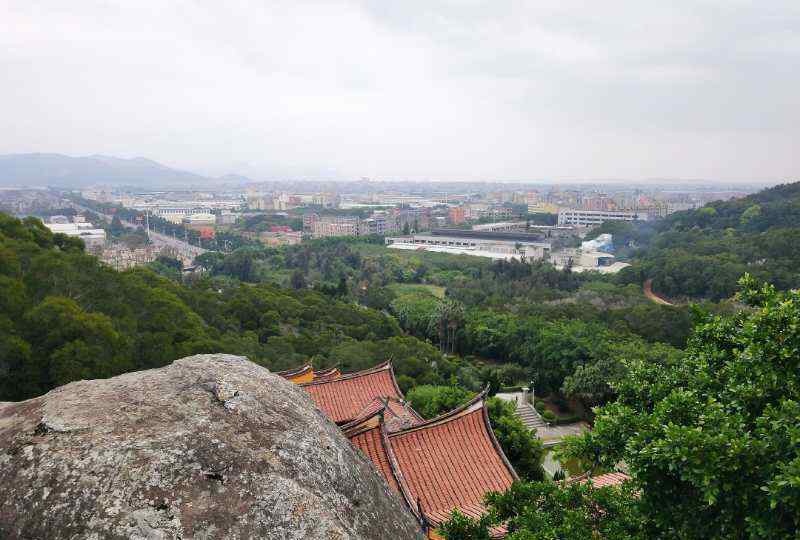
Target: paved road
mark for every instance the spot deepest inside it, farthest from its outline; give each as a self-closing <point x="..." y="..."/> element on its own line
<point x="184" y="249"/>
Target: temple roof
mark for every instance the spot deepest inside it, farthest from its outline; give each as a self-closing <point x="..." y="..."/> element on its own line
<point x="602" y="480"/>
<point x="452" y="461"/>
<point x="397" y="413"/>
<point x="345" y="399"/>
<point x="447" y="463"/>
<point x="368" y="434"/>
<point x="327" y="374"/>
<point x="302" y="374"/>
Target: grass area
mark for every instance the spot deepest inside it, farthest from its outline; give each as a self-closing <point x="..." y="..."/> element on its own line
<point x="407" y="288"/>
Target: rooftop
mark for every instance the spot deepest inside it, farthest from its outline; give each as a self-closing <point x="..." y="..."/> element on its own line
<point x="345" y="398"/>
<point x="447" y="463"/>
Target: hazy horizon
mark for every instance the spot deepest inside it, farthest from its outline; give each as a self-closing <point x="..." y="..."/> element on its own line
<point x="505" y="91"/>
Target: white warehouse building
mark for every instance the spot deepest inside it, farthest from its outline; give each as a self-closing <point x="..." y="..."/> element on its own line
<point x="494" y="245"/>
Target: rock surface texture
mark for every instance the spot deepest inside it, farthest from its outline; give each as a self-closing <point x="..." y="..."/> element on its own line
<point x="211" y="446"/>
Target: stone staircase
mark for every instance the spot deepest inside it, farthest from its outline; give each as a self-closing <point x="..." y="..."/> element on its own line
<point x="529" y="416"/>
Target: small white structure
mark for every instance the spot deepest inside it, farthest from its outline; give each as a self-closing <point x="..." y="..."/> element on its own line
<point x="94" y="239"/>
<point x="604" y="243"/>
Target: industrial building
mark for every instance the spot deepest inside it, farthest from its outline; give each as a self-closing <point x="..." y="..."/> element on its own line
<point x="93" y="239"/>
<point x="491" y="244"/>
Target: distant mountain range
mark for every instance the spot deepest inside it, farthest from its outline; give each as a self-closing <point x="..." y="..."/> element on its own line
<point x="57" y="170"/>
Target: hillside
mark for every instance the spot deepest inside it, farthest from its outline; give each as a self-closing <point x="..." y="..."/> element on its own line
<point x="64" y="317"/>
<point x="702" y="253"/>
<point x="56" y="170"/>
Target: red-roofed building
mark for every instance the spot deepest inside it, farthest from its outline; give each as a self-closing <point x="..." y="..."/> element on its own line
<point x="327" y="374"/>
<point x="445" y="464"/>
<point x="603" y="480"/>
<point x="344" y="399"/>
<point x="302" y="374"/>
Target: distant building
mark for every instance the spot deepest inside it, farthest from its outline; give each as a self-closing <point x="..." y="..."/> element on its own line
<point x="493" y="245"/>
<point x="541" y="207"/>
<point x="502" y="226"/>
<point x="456" y="215"/>
<point x="93" y="239"/>
<point x="335" y="226"/>
<point x="326" y="200"/>
<point x="281" y="238"/>
<point x="197" y="221"/>
<point x="227" y="218"/>
<point x="308" y="221"/>
<point x="590" y="218"/>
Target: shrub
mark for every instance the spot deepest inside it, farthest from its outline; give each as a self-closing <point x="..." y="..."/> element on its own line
<point x="549" y="416"/>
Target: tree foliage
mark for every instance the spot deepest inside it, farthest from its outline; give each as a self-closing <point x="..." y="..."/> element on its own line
<point x="712" y="439"/>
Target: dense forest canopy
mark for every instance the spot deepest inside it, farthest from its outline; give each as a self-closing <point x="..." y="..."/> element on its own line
<point x="711" y="442"/>
<point x="702" y="253"/>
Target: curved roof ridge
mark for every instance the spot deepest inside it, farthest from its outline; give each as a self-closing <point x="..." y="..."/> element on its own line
<point x="349" y="428"/>
<point x="470" y="406"/>
<point x="394" y="466"/>
<point x="349" y="376"/>
<point x="294" y="371"/>
<point x="407" y="406"/>
<point x="372" y="421"/>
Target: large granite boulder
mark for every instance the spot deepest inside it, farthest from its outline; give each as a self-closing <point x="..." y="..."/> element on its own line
<point x="212" y="446"/>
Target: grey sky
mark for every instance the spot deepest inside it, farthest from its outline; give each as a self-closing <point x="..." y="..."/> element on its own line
<point x="418" y="89"/>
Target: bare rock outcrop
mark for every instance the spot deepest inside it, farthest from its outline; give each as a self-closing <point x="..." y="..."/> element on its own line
<point x="211" y="446"/>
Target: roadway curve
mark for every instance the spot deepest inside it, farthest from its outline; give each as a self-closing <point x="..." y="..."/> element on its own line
<point x="648" y="292"/>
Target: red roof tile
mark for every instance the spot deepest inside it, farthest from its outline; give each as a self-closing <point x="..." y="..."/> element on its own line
<point x="451" y="462"/>
<point x="344" y="399"/>
<point x="367" y="436"/>
<point x="608" y="479"/>
<point x="397" y="413"/>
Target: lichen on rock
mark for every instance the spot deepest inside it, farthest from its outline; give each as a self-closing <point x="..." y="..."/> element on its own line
<point x="211" y="446"/>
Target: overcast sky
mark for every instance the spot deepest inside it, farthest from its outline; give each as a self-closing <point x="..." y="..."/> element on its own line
<point x="417" y="89"/>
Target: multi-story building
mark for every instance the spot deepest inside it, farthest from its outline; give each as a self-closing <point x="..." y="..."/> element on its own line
<point x="308" y="221"/>
<point x="457" y="215"/>
<point x="336" y="226"/>
<point x="590" y="218"/>
<point x="325" y="200"/>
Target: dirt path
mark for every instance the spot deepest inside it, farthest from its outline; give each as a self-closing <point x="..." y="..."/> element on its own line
<point x="648" y="292"/>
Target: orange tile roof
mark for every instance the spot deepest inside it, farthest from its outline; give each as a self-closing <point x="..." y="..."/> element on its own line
<point x="440" y="465"/>
<point x="397" y="413"/>
<point x="298" y="375"/>
<point x="369" y="436"/>
<point x="344" y="399"/>
<point x="452" y="461"/>
<point x="608" y="479"/>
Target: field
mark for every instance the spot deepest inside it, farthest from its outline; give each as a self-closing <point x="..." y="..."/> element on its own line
<point x="406" y="288"/>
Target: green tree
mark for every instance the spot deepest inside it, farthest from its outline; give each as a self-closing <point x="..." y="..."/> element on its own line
<point x="712" y="439"/>
<point x="550" y="511"/>
<point x="430" y="401"/>
<point x="520" y="444"/>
